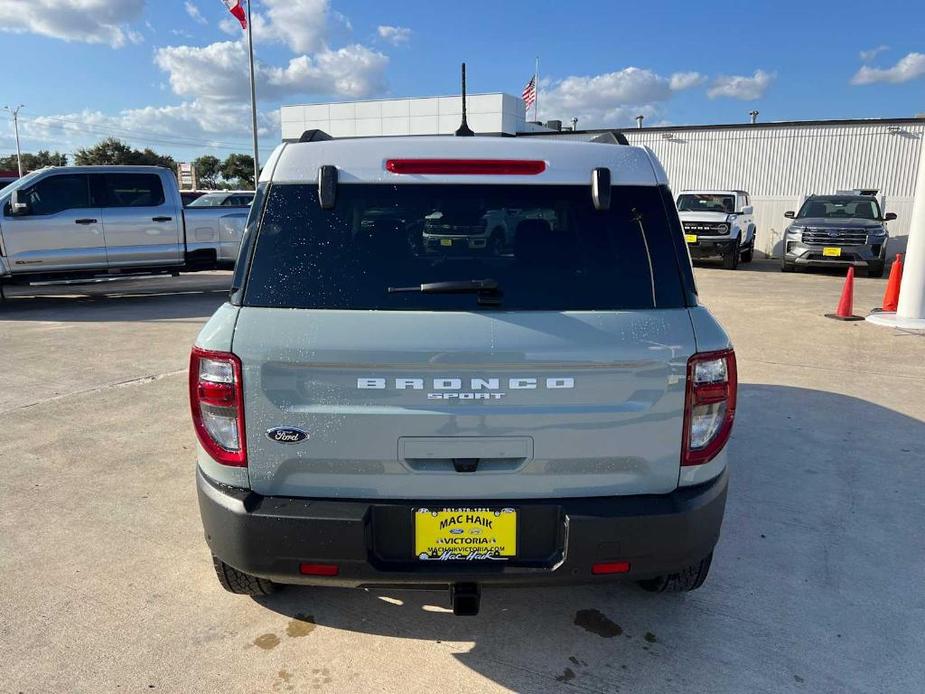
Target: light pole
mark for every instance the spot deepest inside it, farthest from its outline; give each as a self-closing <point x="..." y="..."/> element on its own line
<point x="250" y="51"/>
<point x="15" y="112"/>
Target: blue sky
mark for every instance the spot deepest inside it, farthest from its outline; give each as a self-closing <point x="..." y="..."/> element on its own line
<point x="171" y="74"/>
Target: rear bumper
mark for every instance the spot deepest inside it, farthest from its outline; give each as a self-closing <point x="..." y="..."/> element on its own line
<point x="372" y="542"/>
<point x="711" y="247"/>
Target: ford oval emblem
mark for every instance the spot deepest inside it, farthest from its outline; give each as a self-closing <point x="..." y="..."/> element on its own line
<point x="286" y="435"/>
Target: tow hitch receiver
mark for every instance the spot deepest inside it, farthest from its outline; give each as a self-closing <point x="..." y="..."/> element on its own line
<point x="465" y="598"/>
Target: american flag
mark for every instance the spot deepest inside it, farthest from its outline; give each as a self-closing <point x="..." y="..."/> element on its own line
<point x="530" y="92"/>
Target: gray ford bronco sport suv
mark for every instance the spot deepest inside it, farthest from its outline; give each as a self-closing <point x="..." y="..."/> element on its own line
<point x="371" y="410"/>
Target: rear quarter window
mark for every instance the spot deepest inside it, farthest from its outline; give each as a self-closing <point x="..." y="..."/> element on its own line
<point x="546" y="246"/>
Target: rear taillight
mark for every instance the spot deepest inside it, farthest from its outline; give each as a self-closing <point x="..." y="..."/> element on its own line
<point x="710" y="405"/>
<point x="217" y="403"/>
<point x="462" y="167"/>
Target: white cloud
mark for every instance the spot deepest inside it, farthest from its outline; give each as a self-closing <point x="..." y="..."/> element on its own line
<point x="394" y="35"/>
<point x="196" y="125"/>
<point x="211" y="82"/>
<point x="741" y="87"/>
<point x="218" y="72"/>
<point x="685" y="80"/>
<point x="613" y="98"/>
<point x="193" y="11"/>
<point x="908" y="68"/>
<point x="871" y="53"/>
<point x="88" y="21"/>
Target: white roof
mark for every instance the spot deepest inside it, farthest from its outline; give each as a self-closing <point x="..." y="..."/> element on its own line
<point x="362" y="160"/>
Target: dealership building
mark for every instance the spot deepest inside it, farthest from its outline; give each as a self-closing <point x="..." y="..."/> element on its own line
<point x="778" y="163"/>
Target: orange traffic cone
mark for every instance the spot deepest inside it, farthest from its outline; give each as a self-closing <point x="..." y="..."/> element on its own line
<point x="846" y="304"/>
<point x="891" y="295"/>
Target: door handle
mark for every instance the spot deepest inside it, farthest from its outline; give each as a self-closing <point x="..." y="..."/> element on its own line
<point x="161" y="219"/>
<point x="85" y="220"/>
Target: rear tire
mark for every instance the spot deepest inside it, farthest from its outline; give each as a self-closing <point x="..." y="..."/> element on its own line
<point x="240" y="583"/>
<point x="747" y="255"/>
<point x="684" y="581"/>
<point x="731" y="259"/>
<point x="875" y="269"/>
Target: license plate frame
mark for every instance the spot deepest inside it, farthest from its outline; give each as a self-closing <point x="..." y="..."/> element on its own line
<point x="690" y="238"/>
<point x="831" y="252"/>
<point x="465" y="533"/>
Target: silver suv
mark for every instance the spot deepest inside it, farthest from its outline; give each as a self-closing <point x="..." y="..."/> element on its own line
<point x="373" y="412"/>
<point x="840" y="230"/>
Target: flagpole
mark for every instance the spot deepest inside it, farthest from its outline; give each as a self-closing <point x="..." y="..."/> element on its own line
<point x="250" y="51"/>
<point x="536" y="87"/>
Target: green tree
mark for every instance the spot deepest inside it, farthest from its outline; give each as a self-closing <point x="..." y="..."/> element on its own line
<point x="113" y="151"/>
<point x="31" y="162"/>
<point x="239" y="168"/>
<point x="208" y="169"/>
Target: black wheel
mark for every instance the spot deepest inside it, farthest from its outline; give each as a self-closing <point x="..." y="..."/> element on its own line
<point x="685" y="580"/>
<point x="785" y="266"/>
<point x="748" y="254"/>
<point x="875" y="269"/>
<point x="731" y="259"/>
<point x="240" y="583"/>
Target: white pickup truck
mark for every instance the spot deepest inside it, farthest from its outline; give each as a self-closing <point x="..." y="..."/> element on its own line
<point x="78" y="222"/>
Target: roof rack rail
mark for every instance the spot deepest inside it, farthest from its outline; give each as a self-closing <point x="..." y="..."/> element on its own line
<point x="315" y="135"/>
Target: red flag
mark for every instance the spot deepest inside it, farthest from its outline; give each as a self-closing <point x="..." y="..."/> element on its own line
<point x="237" y="9"/>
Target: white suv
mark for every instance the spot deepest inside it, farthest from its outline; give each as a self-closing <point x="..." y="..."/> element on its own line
<point x="718" y="223"/>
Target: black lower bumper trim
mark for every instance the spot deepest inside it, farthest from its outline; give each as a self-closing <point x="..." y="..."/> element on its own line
<point x="371" y="542"/>
<point x="711" y="248"/>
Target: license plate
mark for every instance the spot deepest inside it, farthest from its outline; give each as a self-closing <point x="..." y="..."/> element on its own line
<point x="690" y="238"/>
<point x="465" y="534"/>
<point x="446" y="242"/>
<point x="831" y="252"/>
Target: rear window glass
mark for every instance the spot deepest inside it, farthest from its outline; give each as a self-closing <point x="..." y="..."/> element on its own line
<point x="133" y="190"/>
<point x="546" y="247"/>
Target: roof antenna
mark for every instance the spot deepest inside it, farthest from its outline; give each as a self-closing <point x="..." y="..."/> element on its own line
<point x="464" y="130"/>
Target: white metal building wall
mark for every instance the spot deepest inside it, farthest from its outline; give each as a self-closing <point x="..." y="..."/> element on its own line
<point x="779" y="165"/>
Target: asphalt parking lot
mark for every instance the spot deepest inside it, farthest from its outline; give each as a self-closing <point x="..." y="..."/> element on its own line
<point x="107" y="585"/>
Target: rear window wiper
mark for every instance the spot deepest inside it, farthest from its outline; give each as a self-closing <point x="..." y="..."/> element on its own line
<point x="488" y="291"/>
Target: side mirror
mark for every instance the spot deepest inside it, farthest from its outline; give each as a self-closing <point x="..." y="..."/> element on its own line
<point x="748" y="209"/>
<point x="790" y="214"/>
<point x="19" y="207"/>
<point x="889" y="216"/>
